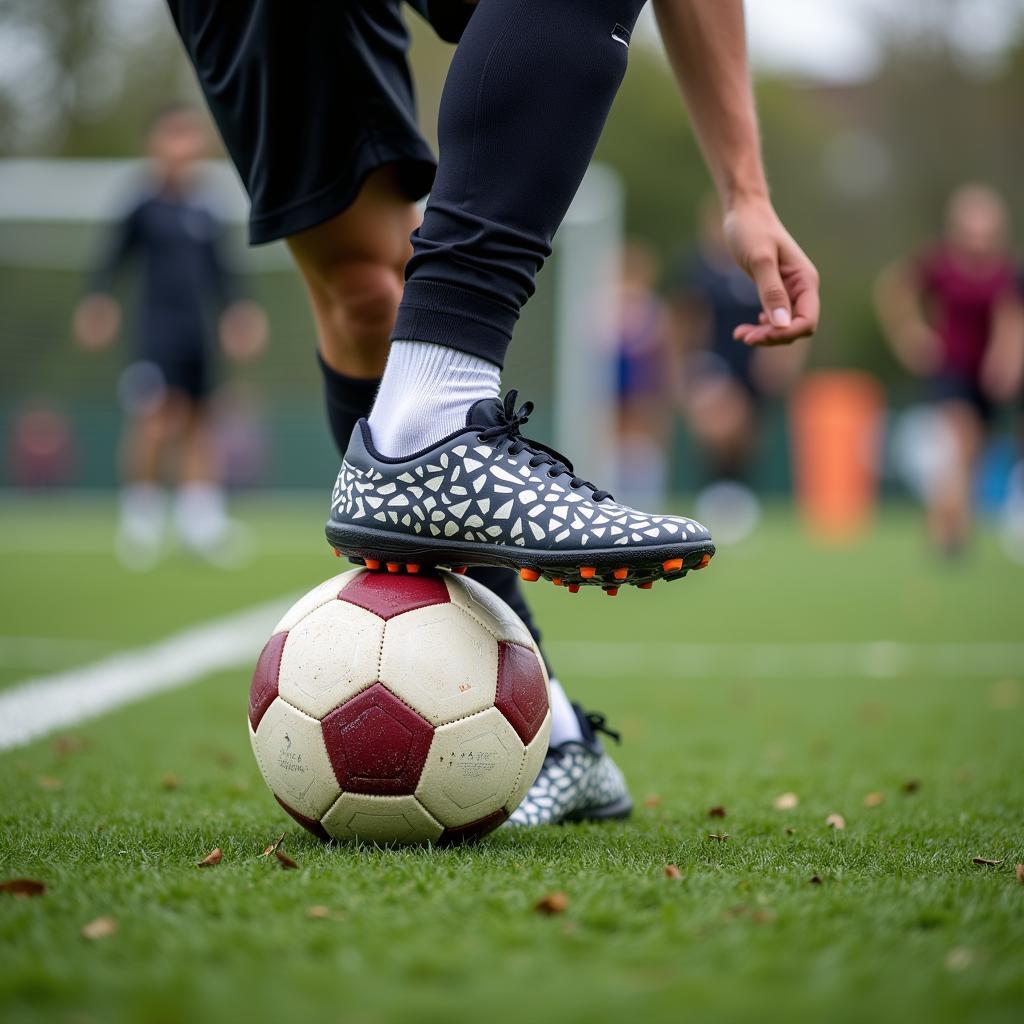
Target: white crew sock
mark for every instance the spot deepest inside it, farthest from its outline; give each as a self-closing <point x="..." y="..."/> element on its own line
<point x="141" y="522"/>
<point x="565" y="725"/>
<point x="200" y="515"/>
<point x="425" y="394"/>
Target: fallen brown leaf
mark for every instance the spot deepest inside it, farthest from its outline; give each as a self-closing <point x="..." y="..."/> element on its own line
<point x="986" y="862"/>
<point x="318" y="911"/>
<point x="785" y="801"/>
<point x="49" y="782"/>
<point x="652" y="800"/>
<point x="815" y="880"/>
<point x="285" y="861"/>
<point x="671" y="871"/>
<point x="212" y="859"/>
<point x="100" y="928"/>
<point x="553" y="903"/>
<point x="274" y="846"/>
<point x="765" y="917"/>
<point x="170" y="781"/>
<point x="874" y="799"/>
<point x="1019" y="870"/>
<point x="836" y="821"/>
<point x="716" y="812"/>
<point x="23" y="888"/>
<point x="911" y="786"/>
<point x="719" y="837"/>
<point x="65" y="745"/>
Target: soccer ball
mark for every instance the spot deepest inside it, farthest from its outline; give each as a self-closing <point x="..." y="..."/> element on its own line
<point x="400" y="709"/>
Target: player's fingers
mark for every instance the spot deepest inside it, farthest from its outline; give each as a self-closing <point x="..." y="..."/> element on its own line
<point x="764" y="267"/>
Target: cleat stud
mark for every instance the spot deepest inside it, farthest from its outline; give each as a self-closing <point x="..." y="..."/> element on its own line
<point x="529" y="575"/>
<point x="372" y="563"/>
<point x="573" y="588"/>
<point x="557" y="581"/>
<point x="337" y="553"/>
<point x="411" y="568"/>
<point x="620" y="574"/>
<point x="611" y="591"/>
<point x="672" y="565"/>
<point x="459" y="570"/>
<point x="588" y="572"/>
<point x="704" y="562"/>
<point x="645" y="586"/>
<point x="394" y="566"/>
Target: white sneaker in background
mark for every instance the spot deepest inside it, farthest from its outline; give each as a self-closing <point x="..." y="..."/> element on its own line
<point x="142" y="519"/>
<point x="731" y="507"/>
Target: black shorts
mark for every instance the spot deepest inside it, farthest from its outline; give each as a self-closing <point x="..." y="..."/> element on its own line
<point x="310" y="99"/>
<point x="948" y="387"/>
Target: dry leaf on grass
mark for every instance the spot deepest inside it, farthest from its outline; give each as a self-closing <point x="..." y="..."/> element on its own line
<point x="212" y="859"/>
<point x="101" y="928"/>
<point x="719" y="837"/>
<point x="836" y="821"/>
<point x="553" y="903"/>
<point x="169" y="781"/>
<point x="652" y="800"/>
<point x="815" y="880"/>
<point x="911" y="786"/>
<point x="716" y="812"/>
<point x="65" y="745"/>
<point x="318" y="912"/>
<point x="874" y="799"/>
<point x="785" y="801"/>
<point x="274" y="846"/>
<point x="671" y="871"/>
<point x="49" y="782"/>
<point x="1019" y="871"/>
<point x="23" y="888"/>
<point x="285" y="861"/>
<point x="986" y="862"/>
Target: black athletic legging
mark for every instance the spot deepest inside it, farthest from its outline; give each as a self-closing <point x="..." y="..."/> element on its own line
<point x="526" y="97"/>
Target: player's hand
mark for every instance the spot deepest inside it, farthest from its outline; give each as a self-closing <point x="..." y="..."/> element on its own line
<point x="244" y="331"/>
<point x="96" y="321"/>
<point x="918" y="347"/>
<point x="786" y="279"/>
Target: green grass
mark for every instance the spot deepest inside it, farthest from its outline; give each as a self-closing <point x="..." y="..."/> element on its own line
<point x="902" y="926"/>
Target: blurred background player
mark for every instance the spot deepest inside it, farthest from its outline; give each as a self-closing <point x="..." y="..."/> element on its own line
<point x="954" y="318"/>
<point x="722" y="383"/>
<point x="176" y="240"/>
<point x="644" y="361"/>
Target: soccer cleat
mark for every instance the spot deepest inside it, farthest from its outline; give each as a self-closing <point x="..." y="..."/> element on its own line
<point x="486" y="495"/>
<point x="577" y="782"/>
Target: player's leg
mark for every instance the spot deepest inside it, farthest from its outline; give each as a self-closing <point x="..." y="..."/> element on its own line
<point x="950" y="511"/>
<point x="441" y="474"/>
<point x="142" y="503"/>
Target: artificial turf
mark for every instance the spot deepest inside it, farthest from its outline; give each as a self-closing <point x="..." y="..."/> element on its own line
<point x="901" y="924"/>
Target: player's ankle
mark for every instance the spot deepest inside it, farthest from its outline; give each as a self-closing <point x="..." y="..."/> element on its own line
<point x="425" y="395"/>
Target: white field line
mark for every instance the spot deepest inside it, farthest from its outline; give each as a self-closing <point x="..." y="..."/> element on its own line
<point x="41" y="705"/>
<point x="877" y="659"/>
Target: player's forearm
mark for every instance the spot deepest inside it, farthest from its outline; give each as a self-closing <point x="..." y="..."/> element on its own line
<point x="706" y="45"/>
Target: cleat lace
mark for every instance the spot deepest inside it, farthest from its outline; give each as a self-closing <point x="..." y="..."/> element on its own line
<point x="508" y="429"/>
<point x="597" y="723"/>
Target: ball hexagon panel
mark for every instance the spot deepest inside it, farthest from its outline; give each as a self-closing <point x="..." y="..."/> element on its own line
<point x="290" y="749"/>
<point x="485" y="605"/>
<point x="263" y="690"/>
<point x="326" y="591"/>
<point x="440" y="662"/>
<point x="331" y="655"/>
<point x="471" y="769"/>
<point x="377" y="744"/>
<point x="522" y="690"/>
<point x="381" y="819"/>
<point x="388" y="596"/>
<point x="536" y="751"/>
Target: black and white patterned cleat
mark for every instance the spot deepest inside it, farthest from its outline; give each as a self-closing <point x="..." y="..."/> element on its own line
<point x="486" y="495"/>
<point x="577" y="782"/>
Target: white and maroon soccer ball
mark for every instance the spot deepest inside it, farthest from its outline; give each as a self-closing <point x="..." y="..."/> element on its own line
<point x="400" y="709"/>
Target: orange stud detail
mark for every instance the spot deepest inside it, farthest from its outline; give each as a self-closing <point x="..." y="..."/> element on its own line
<point x="394" y="566"/>
<point x="672" y="565"/>
<point x="529" y="575"/>
<point x="703" y="563"/>
<point x="557" y="581"/>
<point x="412" y="568"/>
<point x="573" y="588"/>
<point x="611" y="591"/>
<point x="459" y="570"/>
<point x="372" y="563"/>
<point x="588" y="572"/>
<point x="337" y="553"/>
<point x="620" y="574"/>
<point x="645" y="586"/>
